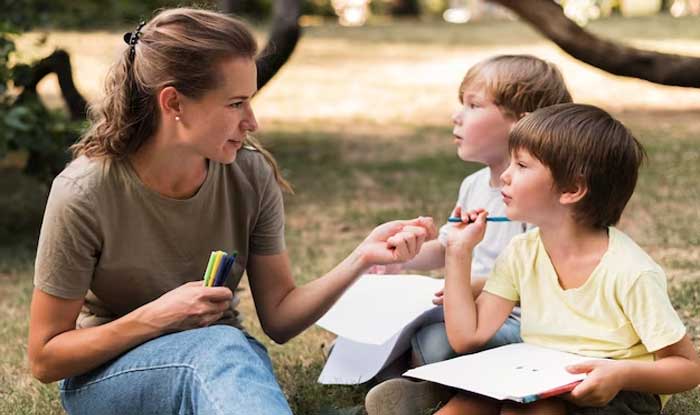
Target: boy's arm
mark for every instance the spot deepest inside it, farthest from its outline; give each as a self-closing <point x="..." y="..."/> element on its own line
<point x="469" y="323"/>
<point x="676" y="369"/>
<point x="430" y="257"/>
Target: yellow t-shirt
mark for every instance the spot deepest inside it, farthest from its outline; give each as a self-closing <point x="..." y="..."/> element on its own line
<point x="621" y="312"/>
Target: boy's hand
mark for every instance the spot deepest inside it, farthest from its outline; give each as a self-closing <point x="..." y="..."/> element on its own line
<point x="439" y="298"/>
<point x="465" y="236"/>
<point x="604" y="381"/>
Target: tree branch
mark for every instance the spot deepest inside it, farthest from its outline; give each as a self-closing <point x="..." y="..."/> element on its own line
<point x="58" y="63"/>
<point x="661" y="68"/>
<point x="284" y="35"/>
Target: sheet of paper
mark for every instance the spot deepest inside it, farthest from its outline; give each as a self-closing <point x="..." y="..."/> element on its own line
<point x="507" y="372"/>
<point x="377" y="307"/>
<point x="352" y="362"/>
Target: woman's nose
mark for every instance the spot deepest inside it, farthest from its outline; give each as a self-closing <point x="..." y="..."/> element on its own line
<point x="249" y="123"/>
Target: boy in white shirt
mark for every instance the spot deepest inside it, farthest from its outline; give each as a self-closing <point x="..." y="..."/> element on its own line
<point x="495" y="94"/>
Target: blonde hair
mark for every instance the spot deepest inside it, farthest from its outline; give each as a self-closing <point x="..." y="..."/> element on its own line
<point x="518" y="84"/>
<point x="180" y="48"/>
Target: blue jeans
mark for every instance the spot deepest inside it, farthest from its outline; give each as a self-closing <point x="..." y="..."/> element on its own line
<point x="212" y="370"/>
<point x="430" y="344"/>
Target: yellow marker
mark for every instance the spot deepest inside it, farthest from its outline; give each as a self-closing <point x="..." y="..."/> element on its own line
<point x="215" y="268"/>
<point x="210" y="265"/>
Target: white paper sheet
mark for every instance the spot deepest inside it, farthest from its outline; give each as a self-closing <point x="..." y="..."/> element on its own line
<point x="377" y="307"/>
<point x="374" y="321"/>
<point x="352" y="362"/>
<point x="514" y="371"/>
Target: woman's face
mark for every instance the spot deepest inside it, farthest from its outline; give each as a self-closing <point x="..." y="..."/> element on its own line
<point x="216" y="124"/>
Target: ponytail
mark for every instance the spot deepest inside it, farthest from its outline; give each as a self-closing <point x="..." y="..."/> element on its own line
<point x="255" y="144"/>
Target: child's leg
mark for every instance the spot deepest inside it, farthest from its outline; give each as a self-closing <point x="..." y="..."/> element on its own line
<point x="430" y="344"/>
<point x="468" y="404"/>
<point x="545" y="407"/>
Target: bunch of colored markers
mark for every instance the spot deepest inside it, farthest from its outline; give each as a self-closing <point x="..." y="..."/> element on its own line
<point x="219" y="267"/>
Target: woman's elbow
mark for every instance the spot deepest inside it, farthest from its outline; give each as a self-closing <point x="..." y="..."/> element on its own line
<point x="276" y="334"/>
<point x="41" y="372"/>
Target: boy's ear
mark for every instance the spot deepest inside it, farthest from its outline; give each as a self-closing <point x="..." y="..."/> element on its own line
<point x="574" y="193"/>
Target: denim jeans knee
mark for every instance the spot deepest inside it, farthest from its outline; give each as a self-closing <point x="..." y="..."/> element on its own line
<point x="212" y="370"/>
<point x="430" y="344"/>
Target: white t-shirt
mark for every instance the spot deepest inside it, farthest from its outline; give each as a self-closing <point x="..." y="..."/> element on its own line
<point x="476" y="192"/>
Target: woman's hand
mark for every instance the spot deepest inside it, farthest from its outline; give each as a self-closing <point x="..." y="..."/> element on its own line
<point x="396" y="241"/>
<point x="465" y="235"/>
<point x="604" y="381"/>
<point x="188" y="306"/>
<point x="385" y="269"/>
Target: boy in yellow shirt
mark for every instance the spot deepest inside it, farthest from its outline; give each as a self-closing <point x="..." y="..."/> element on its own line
<point x="584" y="286"/>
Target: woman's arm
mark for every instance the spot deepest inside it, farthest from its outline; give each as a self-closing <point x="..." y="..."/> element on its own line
<point x="286" y="310"/>
<point x="58" y="350"/>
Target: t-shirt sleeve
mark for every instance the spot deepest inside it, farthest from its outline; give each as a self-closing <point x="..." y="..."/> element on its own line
<point x="69" y="242"/>
<point x="267" y="237"/>
<point x="648" y="307"/>
<point x="503" y="280"/>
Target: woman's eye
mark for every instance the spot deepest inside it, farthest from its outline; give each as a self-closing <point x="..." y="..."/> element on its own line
<point x="236" y="104"/>
<point x="521" y="164"/>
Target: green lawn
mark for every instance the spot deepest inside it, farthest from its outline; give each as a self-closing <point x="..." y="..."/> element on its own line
<point x="359" y="121"/>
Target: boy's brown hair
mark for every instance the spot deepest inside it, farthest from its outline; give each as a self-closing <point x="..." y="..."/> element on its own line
<point x="582" y="144"/>
<point x="518" y="84"/>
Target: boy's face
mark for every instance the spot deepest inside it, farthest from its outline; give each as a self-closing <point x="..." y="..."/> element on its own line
<point x="481" y="129"/>
<point x="529" y="192"/>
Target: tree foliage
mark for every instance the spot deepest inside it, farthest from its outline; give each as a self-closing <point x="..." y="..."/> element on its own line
<point x="26" y="125"/>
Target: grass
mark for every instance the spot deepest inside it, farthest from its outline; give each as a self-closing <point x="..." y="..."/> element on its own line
<point x="359" y="121"/>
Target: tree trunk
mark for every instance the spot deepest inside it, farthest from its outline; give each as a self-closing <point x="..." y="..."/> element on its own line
<point x="661" y="68"/>
<point x="405" y="8"/>
<point x="284" y="35"/>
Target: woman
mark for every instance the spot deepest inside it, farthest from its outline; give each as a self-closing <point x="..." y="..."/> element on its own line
<point x="166" y="174"/>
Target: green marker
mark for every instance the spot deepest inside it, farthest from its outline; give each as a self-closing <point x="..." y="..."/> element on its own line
<point x="210" y="265"/>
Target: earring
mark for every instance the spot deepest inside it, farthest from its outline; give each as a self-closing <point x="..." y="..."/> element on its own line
<point x="177" y="118"/>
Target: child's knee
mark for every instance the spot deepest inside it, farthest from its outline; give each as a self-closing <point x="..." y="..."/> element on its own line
<point x="545" y="407"/>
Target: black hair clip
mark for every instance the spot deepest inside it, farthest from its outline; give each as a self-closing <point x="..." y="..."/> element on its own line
<point x="131" y="38"/>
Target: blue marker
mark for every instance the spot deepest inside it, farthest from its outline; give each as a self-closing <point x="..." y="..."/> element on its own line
<point x="489" y="219"/>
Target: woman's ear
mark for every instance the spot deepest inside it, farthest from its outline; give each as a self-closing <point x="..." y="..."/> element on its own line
<point x="169" y="102"/>
<point x="574" y="193"/>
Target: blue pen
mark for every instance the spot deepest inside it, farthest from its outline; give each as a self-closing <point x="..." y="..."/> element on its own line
<point x="489" y="219"/>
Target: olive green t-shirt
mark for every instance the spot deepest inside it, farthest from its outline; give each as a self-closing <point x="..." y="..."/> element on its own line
<point x="109" y="239"/>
